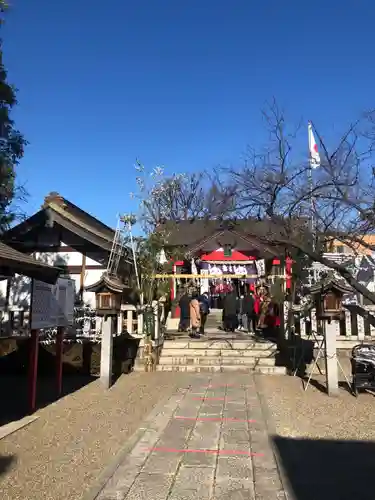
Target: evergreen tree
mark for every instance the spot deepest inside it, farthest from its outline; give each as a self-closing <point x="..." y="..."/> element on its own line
<point x="12" y="144"/>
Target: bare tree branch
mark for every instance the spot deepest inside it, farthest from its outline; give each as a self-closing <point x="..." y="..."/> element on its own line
<point x="274" y="185"/>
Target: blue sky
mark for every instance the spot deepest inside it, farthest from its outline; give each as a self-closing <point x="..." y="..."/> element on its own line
<point x="174" y="83"/>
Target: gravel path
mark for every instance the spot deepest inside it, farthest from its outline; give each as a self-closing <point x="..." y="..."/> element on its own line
<point x="59" y="456"/>
<point x="313" y="414"/>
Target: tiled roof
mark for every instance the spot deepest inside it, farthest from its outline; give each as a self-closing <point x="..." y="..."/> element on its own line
<point x="201" y="232"/>
<point x="113" y="283"/>
<point x="328" y="282"/>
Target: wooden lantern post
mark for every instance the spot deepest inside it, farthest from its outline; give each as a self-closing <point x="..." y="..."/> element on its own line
<point x="109" y="295"/>
<point x="328" y="295"/>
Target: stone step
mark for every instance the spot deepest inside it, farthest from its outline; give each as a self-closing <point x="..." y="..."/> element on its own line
<point x="215" y="360"/>
<point x="217" y="344"/>
<point x="227" y="353"/>
<point x="266" y="370"/>
<point x="214" y="324"/>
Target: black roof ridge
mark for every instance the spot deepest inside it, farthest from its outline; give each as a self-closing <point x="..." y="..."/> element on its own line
<point x="55" y="197"/>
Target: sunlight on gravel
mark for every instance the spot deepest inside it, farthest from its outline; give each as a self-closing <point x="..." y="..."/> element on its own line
<point x="313" y="414"/>
<point x="58" y="456"/>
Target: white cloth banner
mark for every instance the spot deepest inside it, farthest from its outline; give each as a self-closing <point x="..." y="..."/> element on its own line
<point x="261" y="267"/>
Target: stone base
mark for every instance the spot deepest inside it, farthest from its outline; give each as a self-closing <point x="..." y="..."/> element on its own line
<point x="140" y="361"/>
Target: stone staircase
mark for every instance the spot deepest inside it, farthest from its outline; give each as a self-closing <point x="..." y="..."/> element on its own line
<point x="219" y="355"/>
<point x="218" y="351"/>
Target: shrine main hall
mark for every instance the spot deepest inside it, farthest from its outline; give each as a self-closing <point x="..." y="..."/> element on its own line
<point x="226" y="255"/>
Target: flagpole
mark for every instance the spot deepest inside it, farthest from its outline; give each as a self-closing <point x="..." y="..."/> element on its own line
<point x="312" y="221"/>
<point x="311" y="186"/>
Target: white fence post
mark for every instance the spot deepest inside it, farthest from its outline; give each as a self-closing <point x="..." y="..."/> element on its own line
<point x="120" y="319"/>
<point x="303" y="326"/>
<point x="361" y="328"/>
<point x="140" y="322"/>
<point x="129" y="321"/>
<point x="372" y="315"/>
<point x="155" y="308"/>
<point x="348" y="323"/>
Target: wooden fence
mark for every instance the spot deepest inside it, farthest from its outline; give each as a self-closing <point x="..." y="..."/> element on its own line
<point x="130" y="319"/>
<point x="358" y="325"/>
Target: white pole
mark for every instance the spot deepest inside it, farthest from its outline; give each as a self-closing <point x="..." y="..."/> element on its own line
<point x="312" y="222"/>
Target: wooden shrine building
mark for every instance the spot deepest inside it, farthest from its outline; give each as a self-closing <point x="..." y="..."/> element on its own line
<point x="217" y="249"/>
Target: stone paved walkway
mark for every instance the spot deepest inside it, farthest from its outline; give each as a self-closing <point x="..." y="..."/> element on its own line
<point x="209" y="441"/>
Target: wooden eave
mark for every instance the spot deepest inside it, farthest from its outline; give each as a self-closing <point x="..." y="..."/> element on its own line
<point x="14" y="262"/>
<point x="264" y="250"/>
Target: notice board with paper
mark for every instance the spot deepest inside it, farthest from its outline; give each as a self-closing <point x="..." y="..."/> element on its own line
<point x="52" y="305"/>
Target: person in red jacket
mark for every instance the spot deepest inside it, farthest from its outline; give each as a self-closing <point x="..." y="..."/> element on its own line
<point x="268" y="311"/>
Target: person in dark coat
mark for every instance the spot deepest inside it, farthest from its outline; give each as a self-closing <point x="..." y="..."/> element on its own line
<point x="204" y="304"/>
<point x="184" y="304"/>
<point x="230" y="312"/>
<point x="248" y="310"/>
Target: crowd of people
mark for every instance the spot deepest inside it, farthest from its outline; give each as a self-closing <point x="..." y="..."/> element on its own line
<point x="255" y="312"/>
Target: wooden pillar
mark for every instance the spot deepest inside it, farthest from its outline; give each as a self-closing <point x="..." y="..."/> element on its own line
<point x="33" y="370"/>
<point x="288" y="272"/>
<point x="59" y="359"/>
<point x="82" y="276"/>
<point x="106" y="355"/>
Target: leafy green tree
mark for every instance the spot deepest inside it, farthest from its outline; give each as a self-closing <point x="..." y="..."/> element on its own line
<point x="12" y="145"/>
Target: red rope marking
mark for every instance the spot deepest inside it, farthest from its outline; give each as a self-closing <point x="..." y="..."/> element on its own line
<point x="214" y="419"/>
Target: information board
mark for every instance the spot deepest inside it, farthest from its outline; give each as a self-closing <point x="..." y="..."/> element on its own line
<point x="52" y="305"/>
